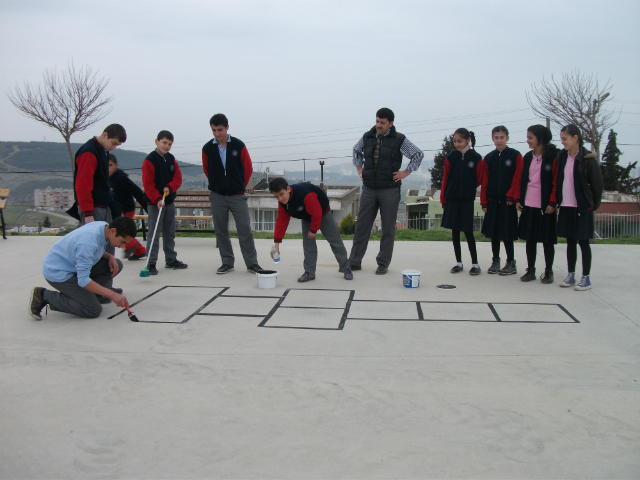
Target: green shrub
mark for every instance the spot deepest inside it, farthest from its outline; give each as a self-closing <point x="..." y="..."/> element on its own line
<point x="347" y="226"/>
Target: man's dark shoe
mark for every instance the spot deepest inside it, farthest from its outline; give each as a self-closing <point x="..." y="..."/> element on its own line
<point x="36" y="303"/>
<point x="475" y="271"/>
<point x="255" y="268"/>
<point x="117" y="290"/>
<point x="128" y="253"/>
<point x="224" y="269"/>
<point x="103" y="300"/>
<point x="176" y="265"/>
<point x="356" y="267"/>
<point x="495" y="265"/>
<point x="153" y="270"/>
<point x="381" y="270"/>
<point x="509" y="268"/>
<point x="457" y="268"/>
<point x="305" y="277"/>
<point x="348" y="275"/>
<point x="529" y="276"/>
<point x="547" y="276"/>
<point x="137" y="257"/>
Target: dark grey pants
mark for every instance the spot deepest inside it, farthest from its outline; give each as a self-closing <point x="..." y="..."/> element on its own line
<point x="100" y="215"/>
<point x="371" y="200"/>
<point x="167" y="226"/>
<point x="330" y="231"/>
<point x="221" y="205"/>
<point x="77" y="300"/>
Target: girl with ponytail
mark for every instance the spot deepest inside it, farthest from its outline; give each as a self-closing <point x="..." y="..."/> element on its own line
<point x="463" y="173"/>
<point x="580" y="187"/>
<point x="537" y="202"/>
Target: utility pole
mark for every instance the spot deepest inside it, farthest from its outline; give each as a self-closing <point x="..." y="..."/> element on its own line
<point x="304" y="166"/>
<point x="322" y="175"/>
<point x="548" y="123"/>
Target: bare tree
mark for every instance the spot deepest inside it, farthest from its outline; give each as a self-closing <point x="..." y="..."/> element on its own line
<point x="69" y="102"/>
<point x="577" y="99"/>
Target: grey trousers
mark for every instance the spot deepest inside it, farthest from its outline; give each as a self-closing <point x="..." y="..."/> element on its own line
<point x="330" y="231"/>
<point x="77" y="300"/>
<point x="386" y="200"/>
<point x="167" y="226"/>
<point x="100" y="214"/>
<point x="221" y="205"/>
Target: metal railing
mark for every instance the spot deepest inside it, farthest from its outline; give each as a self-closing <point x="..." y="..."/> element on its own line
<point x="614" y="225"/>
<point x="429" y="223"/>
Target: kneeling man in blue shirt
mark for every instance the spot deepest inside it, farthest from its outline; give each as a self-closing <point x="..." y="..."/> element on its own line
<point x="82" y="272"/>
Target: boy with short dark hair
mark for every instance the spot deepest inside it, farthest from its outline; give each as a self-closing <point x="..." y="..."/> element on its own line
<point x="161" y="174"/>
<point x="311" y="205"/>
<point x="125" y="193"/>
<point x="82" y="272"/>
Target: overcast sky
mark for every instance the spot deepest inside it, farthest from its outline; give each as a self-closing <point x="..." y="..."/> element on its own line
<point x="305" y="78"/>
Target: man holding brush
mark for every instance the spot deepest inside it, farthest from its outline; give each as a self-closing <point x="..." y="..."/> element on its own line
<point x="82" y="272"/>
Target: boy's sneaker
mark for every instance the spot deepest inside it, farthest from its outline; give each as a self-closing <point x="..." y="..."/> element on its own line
<point x="136" y="257"/>
<point x="117" y="290"/>
<point x="583" y="284"/>
<point x="255" y="268"/>
<point x="547" y="276"/>
<point x="348" y="275"/>
<point x="495" y="265"/>
<point x="128" y="253"/>
<point x="224" y="269"/>
<point x="509" y="268"/>
<point x="305" y="277"/>
<point x="153" y="270"/>
<point x="103" y="300"/>
<point x="529" y="276"/>
<point x="176" y="265"/>
<point x="458" y="268"/>
<point x="36" y="303"/>
<point x="475" y="270"/>
<point x="356" y="267"/>
<point x="570" y="281"/>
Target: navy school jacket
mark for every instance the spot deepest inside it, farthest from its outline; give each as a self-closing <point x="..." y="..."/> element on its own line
<point x="503" y="171"/>
<point x="462" y="175"/>
<point x="548" y="177"/>
<point x="306" y="202"/>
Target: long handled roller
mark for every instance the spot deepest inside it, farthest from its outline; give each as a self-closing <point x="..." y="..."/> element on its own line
<point x="145" y="271"/>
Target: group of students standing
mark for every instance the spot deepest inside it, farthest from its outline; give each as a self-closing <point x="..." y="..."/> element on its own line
<point x="546" y="181"/>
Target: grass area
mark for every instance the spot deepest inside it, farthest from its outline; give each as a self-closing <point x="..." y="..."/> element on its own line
<point x="21" y="215"/>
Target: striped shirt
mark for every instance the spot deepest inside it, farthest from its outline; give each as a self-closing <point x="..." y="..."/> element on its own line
<point x="408" y="149"/>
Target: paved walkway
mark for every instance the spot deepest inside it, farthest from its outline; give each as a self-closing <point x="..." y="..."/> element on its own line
<point x="360" y="379"/>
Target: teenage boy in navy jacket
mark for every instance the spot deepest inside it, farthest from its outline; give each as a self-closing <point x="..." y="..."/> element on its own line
<point x="161" y="174"/>
<point x="227" y="165"/>
<point x="311" y="205"/>
<point x="91" y="177"/>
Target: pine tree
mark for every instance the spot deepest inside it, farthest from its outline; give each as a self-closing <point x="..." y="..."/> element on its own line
<point x="47" y="222"/>
<point x="438" y="163"/>
<point x="610" y="159"/>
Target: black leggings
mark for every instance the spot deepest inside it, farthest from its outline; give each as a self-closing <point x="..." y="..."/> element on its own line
<point x="572" y="255"/>
<point x="532" y="252"/>
<point x="508" y="248"/>
<point x="471" y="242"/>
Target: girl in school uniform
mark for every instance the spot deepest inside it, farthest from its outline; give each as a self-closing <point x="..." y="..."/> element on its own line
<point x="500" y="189"/>
<point x="580" y="187"/>
<point x="463" y="173"/>
<point x="538" y="201"/>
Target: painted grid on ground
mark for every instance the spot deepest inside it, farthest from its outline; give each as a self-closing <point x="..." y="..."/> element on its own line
<point x="329" y="309"/>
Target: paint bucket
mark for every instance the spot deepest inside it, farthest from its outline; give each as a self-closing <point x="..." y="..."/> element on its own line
<point x="267" y="279"/>
<point x="411" y="278"/>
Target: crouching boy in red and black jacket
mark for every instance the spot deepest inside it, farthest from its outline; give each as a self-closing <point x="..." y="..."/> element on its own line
<point x="311" y="205"/>
<point x="160" y="175"/>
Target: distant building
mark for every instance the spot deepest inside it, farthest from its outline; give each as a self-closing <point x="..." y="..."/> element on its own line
<point x="53" y="198"/>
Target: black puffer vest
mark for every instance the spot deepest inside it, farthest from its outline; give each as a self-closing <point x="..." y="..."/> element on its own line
<point x="390" y="160"/>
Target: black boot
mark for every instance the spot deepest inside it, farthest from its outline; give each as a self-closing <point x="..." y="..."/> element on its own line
<point x="547" y="276"/>
<point x="529" y="276"/>
<point x="495" y="265"/>
<point x="509" y="268"/>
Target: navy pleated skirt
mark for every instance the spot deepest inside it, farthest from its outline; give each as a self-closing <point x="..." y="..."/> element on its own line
<point x="458" y="215"/>
<point x="501" y="221"/>
<point x="537" y="226"/>
<point x="574" y="224"/>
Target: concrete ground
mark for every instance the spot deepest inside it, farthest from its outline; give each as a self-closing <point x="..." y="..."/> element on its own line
<point x="360" y="379"/>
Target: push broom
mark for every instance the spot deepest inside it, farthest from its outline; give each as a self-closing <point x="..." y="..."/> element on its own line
<point x="145" y="271"/>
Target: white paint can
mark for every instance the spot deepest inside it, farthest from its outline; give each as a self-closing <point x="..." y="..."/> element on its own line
<point x="267" y="279"/>
<point x="411" y="278"/>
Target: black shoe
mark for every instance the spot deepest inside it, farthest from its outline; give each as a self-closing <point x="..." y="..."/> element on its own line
<point x="495" y="265"/>
<point x="305" y="277"/>
<point x="457" y="268"/>
<point x="137" y="257"/>
<point x="103" y="300"/>
<point x="509" y="268"/>
<point x="475" y="271"/>
<point x="356" y="267"/>
<point x="381" y="270"/>
<point x="153" y="270"/>
<point x="36" y="303"/>
<point x="547" y="276"/>
<point x="255" y="268"/>
<point x="529" y="276"/>
<point x="224" y="269"/>
<point x="117" y="290"/>
<point x="128" y="253"/>
<point x="176" y="265"/>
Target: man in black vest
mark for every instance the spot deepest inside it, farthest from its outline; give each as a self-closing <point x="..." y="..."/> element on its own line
<point x="227" y="165"/>
<point x="311" y="205"/>
<point x="378" y="158"/>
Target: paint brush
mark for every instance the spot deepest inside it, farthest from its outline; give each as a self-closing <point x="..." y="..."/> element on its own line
<point x="132" y="316"/>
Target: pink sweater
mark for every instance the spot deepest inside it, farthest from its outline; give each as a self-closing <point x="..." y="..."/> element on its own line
<point x="568" y="187"/>
<point x="534" y="187"/>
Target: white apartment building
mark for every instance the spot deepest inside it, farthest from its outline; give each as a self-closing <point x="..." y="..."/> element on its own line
<point x="53" y="198"/>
